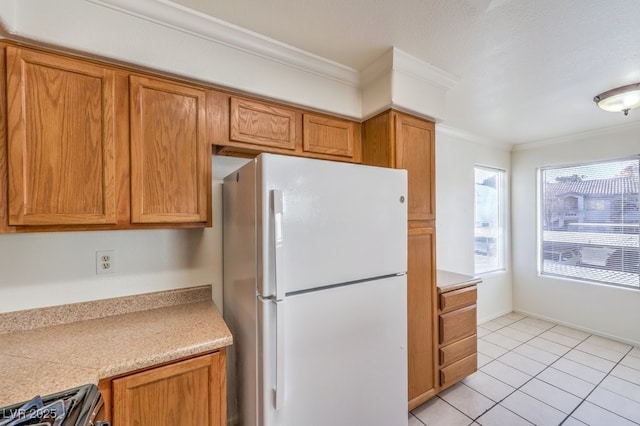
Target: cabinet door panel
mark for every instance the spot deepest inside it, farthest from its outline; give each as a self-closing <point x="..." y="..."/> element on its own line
<point x="187" y="393"/>
<point x="170" y="157"/>
<point x="422" y="348"/>
<point x="415" y="151"/>
<point x="262" y="124"/>
<point x="325" y="135"/>
<point x="61" y="146"/>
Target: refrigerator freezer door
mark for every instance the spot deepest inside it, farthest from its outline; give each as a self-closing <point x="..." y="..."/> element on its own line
<point x="346" y="358"/>
<point x="340" y="222"/>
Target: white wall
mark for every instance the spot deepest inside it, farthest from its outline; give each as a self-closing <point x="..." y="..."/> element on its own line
<point x="53" y="268"/>
<point x="456" y="157"/>
<point x="599" y="309"/>
<point x="46" y="269"/>
<point x="181" y="43"/>
<point x="165" y="36"/>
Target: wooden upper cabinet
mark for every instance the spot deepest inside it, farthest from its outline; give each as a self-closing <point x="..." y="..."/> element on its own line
<point x="327" y="135"/>
<point x="170" y="154"/>
<point x="247" y="127"/>
<point x="415" y="151"/>
<point x="262" y="123"/>
<point x="395" y="139"/>
<point x="61" y="149"/>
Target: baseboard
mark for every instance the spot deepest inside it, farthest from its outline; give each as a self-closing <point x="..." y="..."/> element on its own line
<point x="494" y="316"/>
<point x="578" y="327"/>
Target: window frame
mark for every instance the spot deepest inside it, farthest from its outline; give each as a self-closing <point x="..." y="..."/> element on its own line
<point x="501" y="238"/>
<point x="540" y="225"/>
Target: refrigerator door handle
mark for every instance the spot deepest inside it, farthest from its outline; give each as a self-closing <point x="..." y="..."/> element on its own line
<point x="279" y="388"/>
<point x="278" y="243"/>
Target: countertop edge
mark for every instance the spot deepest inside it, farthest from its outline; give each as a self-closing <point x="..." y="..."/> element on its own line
<point x="93" y="350"/>
<point x="126" y="368"/>
<point x="449" y="281"/>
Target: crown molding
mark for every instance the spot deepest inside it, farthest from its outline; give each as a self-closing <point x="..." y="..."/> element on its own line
<point x="423" y="71"/>
<point x="403" y="63"/>
<point x="407" y="83"/>
<point x="471" y="137"/>
<point x="600" y="132"/>
<point x="180" y="18"/>
<point x="377" y="68"/>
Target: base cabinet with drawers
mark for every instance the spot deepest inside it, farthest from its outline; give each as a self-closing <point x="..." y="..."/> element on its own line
<point x="457" y="332"/>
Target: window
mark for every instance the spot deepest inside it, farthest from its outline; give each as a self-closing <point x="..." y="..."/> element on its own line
<point x="489" y="220"/>
<point x="596" y="204"/>
<point x="589" y="217"/>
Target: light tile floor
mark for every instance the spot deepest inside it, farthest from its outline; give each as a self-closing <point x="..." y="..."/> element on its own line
<point x="532" y="371"/>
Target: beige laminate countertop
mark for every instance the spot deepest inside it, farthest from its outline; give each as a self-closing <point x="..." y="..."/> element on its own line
<point x="49" y="359"/>
<point x="449" y="281"/>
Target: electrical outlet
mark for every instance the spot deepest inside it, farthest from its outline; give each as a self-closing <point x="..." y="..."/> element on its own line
<point x="105" y="262"/>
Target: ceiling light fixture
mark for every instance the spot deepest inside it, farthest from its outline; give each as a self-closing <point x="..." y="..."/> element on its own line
<point x="620" y="99"/>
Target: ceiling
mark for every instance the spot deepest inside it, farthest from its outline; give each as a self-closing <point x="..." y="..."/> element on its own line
<point x="528" y="70"/>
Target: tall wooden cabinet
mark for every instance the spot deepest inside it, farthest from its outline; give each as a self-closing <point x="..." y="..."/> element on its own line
<point x="398" y="140"/>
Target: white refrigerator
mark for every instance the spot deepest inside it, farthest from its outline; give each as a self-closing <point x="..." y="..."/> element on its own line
<point x="315" y="260"/>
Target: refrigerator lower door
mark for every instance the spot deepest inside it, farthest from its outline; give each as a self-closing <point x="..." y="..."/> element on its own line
<point x="344" y="360"/>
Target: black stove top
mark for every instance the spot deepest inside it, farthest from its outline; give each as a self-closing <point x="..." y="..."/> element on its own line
<point x="71" y="407"/>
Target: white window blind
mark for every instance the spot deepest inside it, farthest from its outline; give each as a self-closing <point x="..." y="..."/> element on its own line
<point x="589" y="216"/>
<point x="489" y="220"/>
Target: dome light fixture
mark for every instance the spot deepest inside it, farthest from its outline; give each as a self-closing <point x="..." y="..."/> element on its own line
<point x="620" y="99"/>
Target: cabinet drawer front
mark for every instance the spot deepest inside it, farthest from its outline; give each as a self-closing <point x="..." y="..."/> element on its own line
<point x="457" y="324"/>
<point x="458" y="298"/>
<point x="458" y="371"/>
<point x="458" y="350"/>
<point x="323" y="135"/>
<point x="262" y="124"/>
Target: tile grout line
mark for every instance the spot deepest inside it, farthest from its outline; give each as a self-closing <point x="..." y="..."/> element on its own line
<point x="575" y="347"/>
<point x="595" y="387"/>
<point x="417" y="418"/>
<point x="473" y="420"/>
<point x="460" y="411"/>
<point x="534" y="376"/>
<point x="547" y="366"/>
<point x="515" y="389"/>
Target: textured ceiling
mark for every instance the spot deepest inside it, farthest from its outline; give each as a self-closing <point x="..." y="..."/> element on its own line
<point x="528" y="69"/>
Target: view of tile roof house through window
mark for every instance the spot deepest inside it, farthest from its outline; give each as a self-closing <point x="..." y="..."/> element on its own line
<point x="590" y="216"/>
